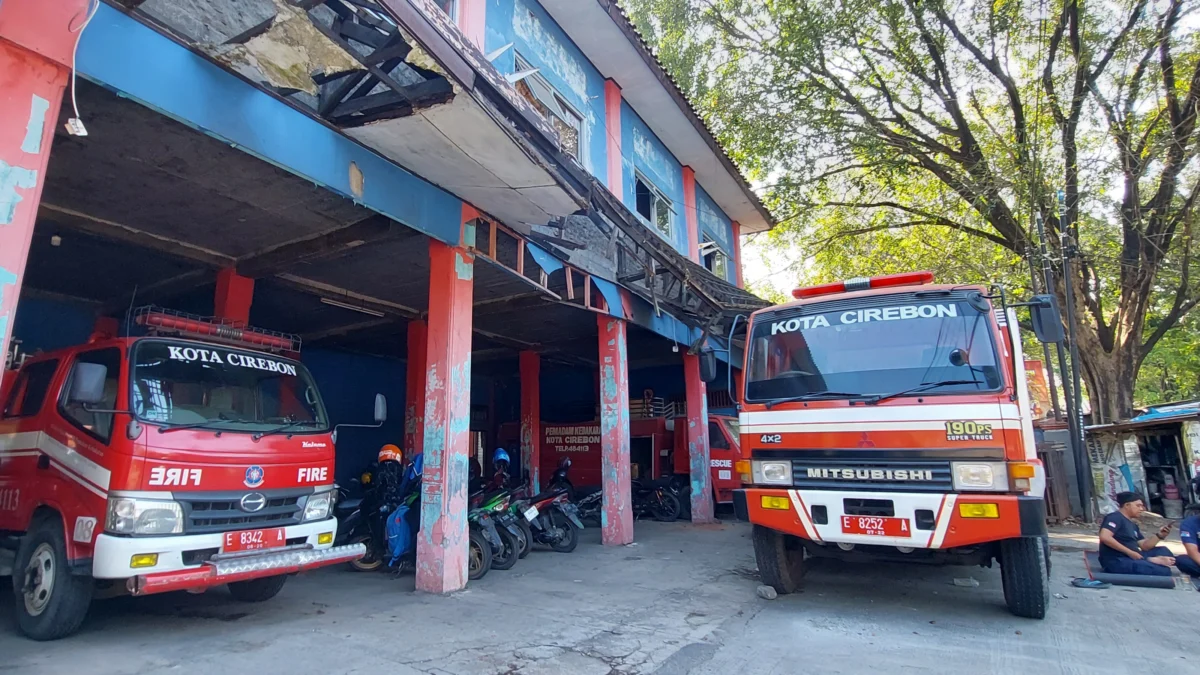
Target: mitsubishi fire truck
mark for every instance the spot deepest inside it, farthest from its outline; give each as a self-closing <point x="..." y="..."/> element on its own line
<point x="197" y="455"/>
<point x="887" y="419"/>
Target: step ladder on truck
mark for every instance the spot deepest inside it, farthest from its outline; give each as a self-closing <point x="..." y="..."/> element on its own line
<point x="888" y="419"/>
<point x="194" y="455"/>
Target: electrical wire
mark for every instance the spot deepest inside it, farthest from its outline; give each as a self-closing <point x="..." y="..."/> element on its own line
<point x="93" y="7"/>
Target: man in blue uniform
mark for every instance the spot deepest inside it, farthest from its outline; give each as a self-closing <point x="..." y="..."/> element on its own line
<point x="1123" y="549"/>
<point x="1189" y="534"/>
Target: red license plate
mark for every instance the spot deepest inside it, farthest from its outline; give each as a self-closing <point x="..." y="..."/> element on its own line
<point x="252" y="540"/>
<point x="877" y="526"/>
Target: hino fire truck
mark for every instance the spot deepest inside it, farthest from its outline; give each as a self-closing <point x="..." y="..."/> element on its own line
<point x="197" y="455"/>
<point x="887" y="419"/>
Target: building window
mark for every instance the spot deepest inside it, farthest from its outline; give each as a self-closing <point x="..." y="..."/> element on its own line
<point x="652" y="206"/>
<point x="450" y="7"/>
<point x="561" y="115"/>
<point x="714" y="258"/>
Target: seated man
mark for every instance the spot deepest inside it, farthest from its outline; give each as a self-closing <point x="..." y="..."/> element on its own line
<point x="1189" y="533"/>
<point x="1123" y="549"/>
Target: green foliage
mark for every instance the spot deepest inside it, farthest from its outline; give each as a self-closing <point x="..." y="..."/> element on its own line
<point x="890" y="135"/>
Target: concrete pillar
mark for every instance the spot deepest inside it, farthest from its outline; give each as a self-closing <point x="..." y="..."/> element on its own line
<point x="737" y="253"/>
<point x="414" y="393"/>
<point x="697" y="440"/>
<point x="234" y="295"/>
<point x="531" y="417"/>
<point x="612" y="127"/>
<point x="442" y="542"/>
<point x="617" y="515"/>
<point x="691" y="216"/>
<point x="35" y="47"/>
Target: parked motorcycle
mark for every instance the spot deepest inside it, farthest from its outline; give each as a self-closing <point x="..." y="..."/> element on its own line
<point x="482" y="540"/>
<point x="512" y="539"/>
<point x="654" y="498"/>
<point x="556" y="522"/>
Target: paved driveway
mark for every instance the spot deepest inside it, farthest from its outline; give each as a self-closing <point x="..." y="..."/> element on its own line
<point x="681" y="600"/>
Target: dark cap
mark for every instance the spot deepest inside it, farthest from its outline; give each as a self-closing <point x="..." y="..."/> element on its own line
<point x="1124" y="498"/>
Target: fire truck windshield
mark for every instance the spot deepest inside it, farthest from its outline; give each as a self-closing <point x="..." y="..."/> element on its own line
<point x="178" y="384"/>
<point x="938" y="345"/>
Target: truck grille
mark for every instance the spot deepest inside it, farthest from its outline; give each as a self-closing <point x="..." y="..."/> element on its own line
<point x="221" y="511"/>
<point x="909" y="475"/>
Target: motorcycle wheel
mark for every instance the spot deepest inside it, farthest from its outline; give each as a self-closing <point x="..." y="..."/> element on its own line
<point x="479" y="556"/>
<point x="665" y="508"/>
<point x="369" y="562"/>
<point x="510" y="550"/>
<point x="526" y="538"/>
<point x="568" y="534"/>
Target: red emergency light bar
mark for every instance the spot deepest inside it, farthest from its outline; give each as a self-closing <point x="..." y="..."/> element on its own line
<point x="864" y="283"/>
<point x="202" y="327"/>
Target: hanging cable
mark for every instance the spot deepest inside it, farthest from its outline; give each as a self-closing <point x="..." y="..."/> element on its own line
<point x="75" y="124"/>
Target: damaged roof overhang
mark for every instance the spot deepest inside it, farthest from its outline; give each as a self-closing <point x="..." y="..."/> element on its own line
<point x="601" y="29"/>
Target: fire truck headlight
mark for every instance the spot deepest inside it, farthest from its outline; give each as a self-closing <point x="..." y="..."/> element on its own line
<point x="980" y="476"/>
<point x="771" y="473"/>
<point x="318" y="505"/>
<point x="127" y="515"/>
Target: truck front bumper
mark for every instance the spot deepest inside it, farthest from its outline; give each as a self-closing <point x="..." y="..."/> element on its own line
<point x="174" y="569"/>
<point x="936" y="521"/>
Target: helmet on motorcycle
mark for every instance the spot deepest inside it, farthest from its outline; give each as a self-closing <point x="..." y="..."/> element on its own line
<point x="501" y="455"/>
<point x="564" y="463"/>
<point x="390" y="453"/>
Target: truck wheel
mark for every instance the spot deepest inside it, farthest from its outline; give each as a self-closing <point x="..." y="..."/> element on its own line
<point x="51" y="602"/>
<point x="1025" y="577"/>
<point x="779" y="567"/>
<point x="257" y="590"/>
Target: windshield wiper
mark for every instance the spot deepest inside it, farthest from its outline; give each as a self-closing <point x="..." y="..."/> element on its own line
<point x="282" y="428"/>
<point x="924" y="386"/>
<point x="812" y="396"/>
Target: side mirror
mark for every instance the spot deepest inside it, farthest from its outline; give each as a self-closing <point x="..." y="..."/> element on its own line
<point x="87" y="383"/>
<point x="1047" y="320"/>
<point x="380" y="408"/>
<point x="708" y="365"/>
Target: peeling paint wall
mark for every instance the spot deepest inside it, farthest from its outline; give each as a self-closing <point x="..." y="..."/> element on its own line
<point x="646" y="154"/>
<point x="541" y="42"/>
<point x="616" y="517"/>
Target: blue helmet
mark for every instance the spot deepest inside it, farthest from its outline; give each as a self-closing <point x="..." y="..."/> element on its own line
<point x="501" y="455"/>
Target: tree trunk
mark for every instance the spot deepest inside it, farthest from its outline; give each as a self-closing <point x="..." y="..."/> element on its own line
<point x="1109" y="378"/>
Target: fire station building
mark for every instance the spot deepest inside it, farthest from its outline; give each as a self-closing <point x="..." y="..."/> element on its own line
<point x="494" y="212"/>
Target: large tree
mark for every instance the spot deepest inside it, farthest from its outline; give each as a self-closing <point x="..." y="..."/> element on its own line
<point x="964" y="122"/>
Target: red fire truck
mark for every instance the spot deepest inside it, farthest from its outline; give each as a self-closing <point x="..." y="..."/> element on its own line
<point x="197" y="455"/>
<point x="889" y="419"/>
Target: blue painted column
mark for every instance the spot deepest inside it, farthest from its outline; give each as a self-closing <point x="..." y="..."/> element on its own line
<point x="617" y="514"/>
<point x="697" y="440"/>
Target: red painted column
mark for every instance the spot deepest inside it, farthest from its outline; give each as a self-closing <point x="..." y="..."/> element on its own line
<point x="737" y="253"/>
<point x="697" y="440"/>
<point x="35" y="45"/>
<point x="612" y="126"/>
<point x="690" y="214"/>
<point x="531" y="417"/>
<point x="616" y="517"/>
<point x="442" y="541"/>
<point x="235" y="293"/>
<point x="414" y="393"/>
<point x="472" y="20"/>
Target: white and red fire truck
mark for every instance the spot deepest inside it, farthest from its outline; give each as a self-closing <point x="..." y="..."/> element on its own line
<point x="197" y="455"/>
<point x="889" y="419"/>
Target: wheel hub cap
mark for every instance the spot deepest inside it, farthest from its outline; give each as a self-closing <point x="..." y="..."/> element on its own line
<point x="39" y="580"/>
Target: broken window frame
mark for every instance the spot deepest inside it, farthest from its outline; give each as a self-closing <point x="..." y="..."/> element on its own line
<point x="660" y="207"/>
<point x="553" y="106"/>
<point x="715" y="259"/>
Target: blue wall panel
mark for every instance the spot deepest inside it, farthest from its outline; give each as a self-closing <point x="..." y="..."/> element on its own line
<point x="540" y="41"/>
<point x="46" y="325"/>
<point x="641" y="150"/>
<point x="717" y="225"/>
<point x="119" y="53"/>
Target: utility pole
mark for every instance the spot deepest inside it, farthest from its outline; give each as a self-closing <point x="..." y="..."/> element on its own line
<point x="1083" y="473"/>
<point x="1033" y="274"/>
<point x="1070" y="250"/>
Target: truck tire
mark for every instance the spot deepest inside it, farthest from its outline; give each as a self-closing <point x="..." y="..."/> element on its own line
<point x="257" y="590"/>
<point x="779" y="567"/>
<point x="51" y="602"/>
<point x="1025" y="576"/>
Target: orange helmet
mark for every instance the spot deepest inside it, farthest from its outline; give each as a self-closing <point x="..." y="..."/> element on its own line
<point x="390" y="453"/>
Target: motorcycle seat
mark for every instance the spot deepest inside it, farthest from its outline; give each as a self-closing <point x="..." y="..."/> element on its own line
<point x="548" y="494"/>
<point x="349" y="505"/>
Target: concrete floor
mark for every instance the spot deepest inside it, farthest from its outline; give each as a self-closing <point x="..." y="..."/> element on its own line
<point x="681" y="600"/>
